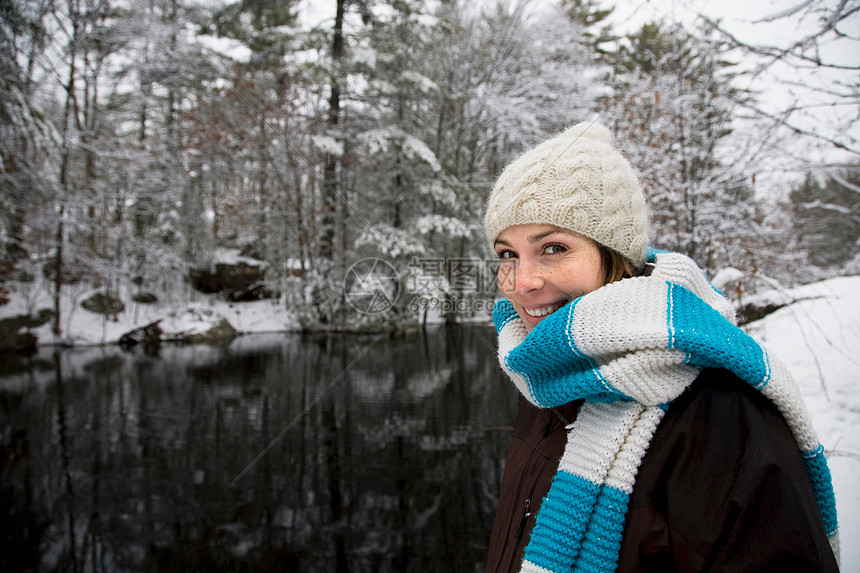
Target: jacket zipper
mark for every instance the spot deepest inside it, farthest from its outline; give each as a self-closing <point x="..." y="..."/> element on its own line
<point x="524" y="520"/>
<point x="547" y="430"/>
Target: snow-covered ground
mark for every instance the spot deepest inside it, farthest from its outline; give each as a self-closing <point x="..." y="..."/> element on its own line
<point x="818" y="338"/>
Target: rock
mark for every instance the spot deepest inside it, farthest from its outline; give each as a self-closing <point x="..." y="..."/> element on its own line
<point x="221" y="331"/>
<point x="103" y="303"/>
<point x="144" y="298"/>
<point x="757" y="306"/>
<point x="23" y="342"/>
<point x="238" y="281"/>
<point x="197" y="324"/>
<point x="149" y="335"/>
<point x="11" y="337"/>
<point x="756" y="311"/>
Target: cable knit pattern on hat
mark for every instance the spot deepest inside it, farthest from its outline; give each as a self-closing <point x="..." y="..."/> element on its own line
<point x="576" y="181"/>
<point x="629" y="349"/>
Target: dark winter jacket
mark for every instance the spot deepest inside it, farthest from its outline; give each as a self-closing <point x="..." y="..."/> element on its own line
<point x="721" y="488"/>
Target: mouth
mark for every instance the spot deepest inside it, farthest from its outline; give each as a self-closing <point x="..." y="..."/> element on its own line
<point x="544" y="310"/>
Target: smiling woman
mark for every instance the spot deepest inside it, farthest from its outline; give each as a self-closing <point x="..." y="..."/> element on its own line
<point x="652" y="433"/>
<point x="550" y="267"/>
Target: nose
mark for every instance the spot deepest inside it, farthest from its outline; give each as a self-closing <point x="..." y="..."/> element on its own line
<point x="520" y="276"/>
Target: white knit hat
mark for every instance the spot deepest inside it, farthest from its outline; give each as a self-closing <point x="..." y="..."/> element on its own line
<point x="579" y="182"/>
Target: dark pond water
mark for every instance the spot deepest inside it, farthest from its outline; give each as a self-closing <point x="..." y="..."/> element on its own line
<point x="276" y="453"/>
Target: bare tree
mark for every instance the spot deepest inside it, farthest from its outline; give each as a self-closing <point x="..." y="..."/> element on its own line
<point x="817" y="71"/>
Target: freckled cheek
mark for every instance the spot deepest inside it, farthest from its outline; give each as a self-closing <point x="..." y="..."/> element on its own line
<point x="574" y="278"/>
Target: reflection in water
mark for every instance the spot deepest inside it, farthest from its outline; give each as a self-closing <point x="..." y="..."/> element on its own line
<point x="345" y="453"/>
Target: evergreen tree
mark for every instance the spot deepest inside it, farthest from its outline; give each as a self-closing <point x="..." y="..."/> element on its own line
<point x="452" y="96"/>
<point x="27" y="141"/>
<point x="589" y="14"/>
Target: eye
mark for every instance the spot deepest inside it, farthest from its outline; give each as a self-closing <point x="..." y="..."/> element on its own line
<point x="506" y="254"/>
<point x="554" y="249"/>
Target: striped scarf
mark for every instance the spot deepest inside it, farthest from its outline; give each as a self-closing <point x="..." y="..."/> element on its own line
<point x="629" y="349"/>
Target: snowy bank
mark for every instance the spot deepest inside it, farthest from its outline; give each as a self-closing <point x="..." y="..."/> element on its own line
<point x="818" y="338"/>
<point x="81" y="327"/>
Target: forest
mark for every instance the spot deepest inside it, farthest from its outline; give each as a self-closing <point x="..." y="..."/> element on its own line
<point x="145" y="144"/>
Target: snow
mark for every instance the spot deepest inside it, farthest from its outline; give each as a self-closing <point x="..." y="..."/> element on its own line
<point x="423" y="83"/>
<point x="818" y="338"/>
<point x="391" y="242"/>
<point x="439" y="192"/>
<point x="418" y="150"/>
<point x="328" y="144"/>
<point x="233" y="256"/>
<point x="449" y="226"/>
<point x="233" y="49"/>
<point x="726" y="276"/>
<point x="377" y="140"/>
<point x="83" y="328"/>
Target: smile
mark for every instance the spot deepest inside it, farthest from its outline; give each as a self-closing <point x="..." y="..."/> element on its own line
<point x="538" y="312"/>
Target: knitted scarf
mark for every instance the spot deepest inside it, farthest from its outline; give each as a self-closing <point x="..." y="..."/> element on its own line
<point x="629" y="349"/>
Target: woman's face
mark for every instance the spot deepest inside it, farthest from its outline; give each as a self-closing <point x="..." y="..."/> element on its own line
<point x="544" y="267"/>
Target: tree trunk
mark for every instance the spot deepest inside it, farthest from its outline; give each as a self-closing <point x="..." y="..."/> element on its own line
<point x="330" y="189"/>
<point x="64" y="176"/>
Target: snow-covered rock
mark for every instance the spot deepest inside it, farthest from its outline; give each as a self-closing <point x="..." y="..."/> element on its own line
<point x="195" y="324"/>
<point x="726" y="277"/>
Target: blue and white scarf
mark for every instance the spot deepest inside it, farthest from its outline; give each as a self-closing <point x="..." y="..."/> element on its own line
<point x="629" y="349"/>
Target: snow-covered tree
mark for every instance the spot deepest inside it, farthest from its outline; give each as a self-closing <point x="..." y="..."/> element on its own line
<point x="139" y="138"/>
<point x="671" y="110"/>
<point x="827" y="219"/>
<point x="450" y="95"/>
<point x="27" y="140"/>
